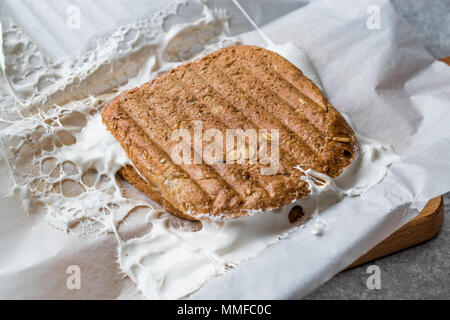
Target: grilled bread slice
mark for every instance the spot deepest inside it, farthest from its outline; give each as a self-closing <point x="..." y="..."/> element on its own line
<point x="239" y="87"/>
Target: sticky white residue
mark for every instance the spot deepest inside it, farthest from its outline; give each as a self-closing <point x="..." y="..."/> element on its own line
<point x="369" y="168"/>
<point x="60" y="154"/>
<point x="93" y="151"/>
<point x="63" y="161"/>
<point x="318" y="226"/>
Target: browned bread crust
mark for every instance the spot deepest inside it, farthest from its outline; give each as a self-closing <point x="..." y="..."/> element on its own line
<point x="240" y="87"/>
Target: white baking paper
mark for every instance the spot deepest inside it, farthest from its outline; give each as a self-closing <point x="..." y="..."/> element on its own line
<point x="383" y="79"/>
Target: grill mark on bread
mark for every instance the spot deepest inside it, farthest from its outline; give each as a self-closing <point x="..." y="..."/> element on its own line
<point x="283" y="89"/>
<point x="214" y="169"/>
<point x="127" y="130"/>
<point x="284" y="154"/>
<point x="230" y="176"/>
<point x="236" y="121"/>
<point x="222" y="124"/>
<point x="293" y="76"/>
<point x="288" y="91"/>
<point x="291" y="83"/>
<point x="263" y="119"/>
<point x="154" y="107"/>
<point x="188" y="169"/>
<point x="274" y="100"/>
<point x="211" y="122"/>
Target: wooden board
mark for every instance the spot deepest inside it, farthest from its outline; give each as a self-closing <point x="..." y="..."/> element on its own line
<point x="422" y="228"/>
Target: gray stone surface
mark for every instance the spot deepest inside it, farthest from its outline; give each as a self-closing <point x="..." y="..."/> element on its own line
<point x="421" y="272"/>
<point x="430" y="21"/>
